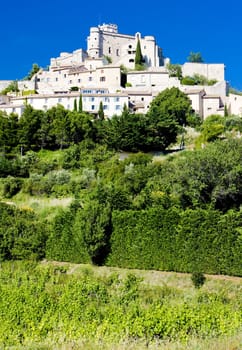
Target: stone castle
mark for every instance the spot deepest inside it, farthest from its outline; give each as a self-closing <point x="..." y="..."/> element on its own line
<point x="97" y="73"/>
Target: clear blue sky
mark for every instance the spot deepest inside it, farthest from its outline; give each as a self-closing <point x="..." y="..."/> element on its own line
<point x="33" y="32"/>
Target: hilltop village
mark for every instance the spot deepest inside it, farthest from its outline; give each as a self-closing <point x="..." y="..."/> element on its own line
<point x="106" y="73"/>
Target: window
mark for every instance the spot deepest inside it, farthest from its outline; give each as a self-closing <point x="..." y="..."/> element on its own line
<point x="79" y="80"/>
<point x="131" y="60"/>
<point x="89" y="78"/>
<point x="105" y="107"/>
<point x="116" y="99"/>
<point x="102" y="79"/>
<point x="106" y="99"/>
<point x="87" y="91"/>
<point x="117" y="52"/>
<point x="142" y="98"/>
<point x="109" y="50"/>
<point x="64" y="75"/>
<point x="56" y="79"/>
<point x="117" y="107"/>
<point x="91" y="99"/>
<point x="70" y="81"/>
<point x="59" y="100"/>
<point x="92" y="107"/>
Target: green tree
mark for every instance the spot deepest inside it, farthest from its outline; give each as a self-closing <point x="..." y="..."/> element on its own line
<point x="30" y="128"/>
<point x="171" y="103"/>
<point x="75" y="105"/>
<point x="233" y="123"/>
<point x="26" y="236"/>
<point x="61" y="126"/>
<point x="100" y="111"/>
<point x="33" y="71"/>
<point x="126" y="132"/>
<point x="212" y="128"/>
<point x="195" y="57"/>
<point x="226" y="111"/>
<point x="12" y="87"/>
<point x="94" y="222"/>
<point x="80" y="126"/>
<point x="8" y="131"/>
<point x="174" y="70"/>
<point x="139" y="62"/>
<point x="80" y="107"/>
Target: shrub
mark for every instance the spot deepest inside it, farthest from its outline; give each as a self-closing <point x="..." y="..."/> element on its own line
<point x="198" y="279"/>
<point x="11" y="186"/>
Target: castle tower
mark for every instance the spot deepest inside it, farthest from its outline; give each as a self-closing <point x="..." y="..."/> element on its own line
<point x="95" y="39"/>
<point x="93" y="43"/>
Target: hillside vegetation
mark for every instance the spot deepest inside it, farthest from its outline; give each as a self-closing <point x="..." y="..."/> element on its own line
<point x="159" y="192"/>
<point x="174" y="213"/>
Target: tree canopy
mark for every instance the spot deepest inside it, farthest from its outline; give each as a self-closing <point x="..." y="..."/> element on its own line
<point x="171" y="104"/>
<point x="195" y="57"/>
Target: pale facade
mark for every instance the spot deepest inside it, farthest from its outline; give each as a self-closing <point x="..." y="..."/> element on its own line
<point x="139" y="101"/>
<point x="196" y="98"/>
<point x="63" y="79"/>
<point x="234" y="104"/>
<point x="113" y="104"/>
<point x="105" y="40"/>
<point x="156" y="79"/>
<point x="76" y="57"/>
<point x="210" y="71"/>
<point x="212" y="105"/>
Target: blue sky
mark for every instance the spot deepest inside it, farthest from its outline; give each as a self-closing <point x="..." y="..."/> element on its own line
<point x="33" y="32"/>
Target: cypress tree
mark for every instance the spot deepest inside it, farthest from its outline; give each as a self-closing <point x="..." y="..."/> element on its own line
<point x="100" y="111"/>
<point x="75" y="105"/>
<point x="138" y="57"/>
<point x="80" y="104"/>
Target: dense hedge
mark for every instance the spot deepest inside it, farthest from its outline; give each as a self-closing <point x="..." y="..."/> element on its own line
<point x="187" y="241"/>
<point x="155" y="238"/>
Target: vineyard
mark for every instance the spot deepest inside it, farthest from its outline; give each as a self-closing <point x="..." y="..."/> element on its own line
<point x="65" y="306"/>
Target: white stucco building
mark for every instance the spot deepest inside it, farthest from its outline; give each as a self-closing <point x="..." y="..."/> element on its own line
<point x="113" y="103"/>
